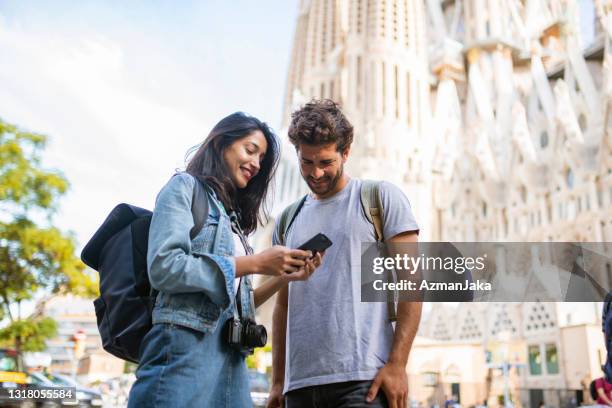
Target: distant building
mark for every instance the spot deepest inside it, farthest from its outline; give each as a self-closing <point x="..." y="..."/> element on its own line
<point x="554" y="351"/>
<point x="74" y="314"/>
<point x="99" y="366"/>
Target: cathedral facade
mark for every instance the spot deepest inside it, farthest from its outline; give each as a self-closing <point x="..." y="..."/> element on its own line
<point x="495" y="118"/>
<point x="492" y="115"/>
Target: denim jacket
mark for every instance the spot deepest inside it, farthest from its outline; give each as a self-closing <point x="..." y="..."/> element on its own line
<point x="195" y="278"/>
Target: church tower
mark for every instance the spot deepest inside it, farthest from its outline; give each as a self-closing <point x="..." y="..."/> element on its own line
<point x="371" y="57"/>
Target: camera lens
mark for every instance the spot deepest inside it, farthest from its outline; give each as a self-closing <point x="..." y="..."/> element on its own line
<point x="255" y="335"/>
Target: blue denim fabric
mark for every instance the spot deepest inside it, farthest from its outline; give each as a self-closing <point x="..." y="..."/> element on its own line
<point x="195" y="279"/>
<point x="181" y="367"/>
<point x="185" y="360"/>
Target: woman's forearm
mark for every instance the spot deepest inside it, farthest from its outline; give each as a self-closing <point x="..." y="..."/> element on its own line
<point x="247" y="265"/>
<point x="267" y="289"/>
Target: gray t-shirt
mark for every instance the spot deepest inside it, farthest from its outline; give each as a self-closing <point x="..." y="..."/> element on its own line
<point x="331" y="335"/>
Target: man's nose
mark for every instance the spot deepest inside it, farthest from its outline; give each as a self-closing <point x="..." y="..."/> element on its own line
<point x="317" y="173"/>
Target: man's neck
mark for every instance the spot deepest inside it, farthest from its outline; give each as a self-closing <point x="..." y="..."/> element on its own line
<point x="339" y="187"/>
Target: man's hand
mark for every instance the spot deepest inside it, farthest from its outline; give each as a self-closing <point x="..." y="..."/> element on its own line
<point x="276" y="399"/>
<point x="393" y="380"/>
<point x="304" y="272"/>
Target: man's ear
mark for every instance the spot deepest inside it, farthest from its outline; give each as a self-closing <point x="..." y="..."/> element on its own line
<point x="345" y="154"/>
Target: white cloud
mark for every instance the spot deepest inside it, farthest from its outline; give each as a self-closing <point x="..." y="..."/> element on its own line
<point x="113" y="143"/>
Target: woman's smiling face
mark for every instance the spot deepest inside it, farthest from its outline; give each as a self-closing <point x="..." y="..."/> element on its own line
<point x="243" y="157"/>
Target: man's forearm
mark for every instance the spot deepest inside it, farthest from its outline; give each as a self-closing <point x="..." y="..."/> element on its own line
<point x="268" y="288"/>
<point x="408" y="318"/>
<point x="279" y="331"/>
<point x="408" y="313"/>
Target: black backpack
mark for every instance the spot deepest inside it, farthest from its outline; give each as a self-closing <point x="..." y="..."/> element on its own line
<point x="118" y="251"/>
<point x="606" y="323"/>
<point x="593" y="390"/>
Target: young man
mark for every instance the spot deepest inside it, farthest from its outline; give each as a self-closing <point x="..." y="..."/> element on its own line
<point x="330" y="349"/>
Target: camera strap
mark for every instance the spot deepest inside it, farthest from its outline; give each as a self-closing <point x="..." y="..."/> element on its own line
<point x="235" y="225"/>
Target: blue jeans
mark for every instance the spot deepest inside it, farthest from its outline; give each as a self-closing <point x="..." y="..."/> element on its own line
<point x="350" y="394"/>
<point x="181" y="367"/>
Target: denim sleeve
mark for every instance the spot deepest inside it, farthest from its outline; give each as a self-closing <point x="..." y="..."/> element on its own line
<point x="172" y="268"/>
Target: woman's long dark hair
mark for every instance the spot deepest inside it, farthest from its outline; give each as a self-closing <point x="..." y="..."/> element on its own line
<point x="208" y="165"/>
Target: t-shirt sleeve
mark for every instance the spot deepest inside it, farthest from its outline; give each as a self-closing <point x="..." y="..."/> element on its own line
<point x="275" y="233"/>
<point x="398" y="212"/>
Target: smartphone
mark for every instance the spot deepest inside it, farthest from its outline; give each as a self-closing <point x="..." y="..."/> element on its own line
<point x="318" y="243"/>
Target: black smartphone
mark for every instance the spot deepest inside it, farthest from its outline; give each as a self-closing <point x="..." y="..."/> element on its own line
<point x="318" y="243"/>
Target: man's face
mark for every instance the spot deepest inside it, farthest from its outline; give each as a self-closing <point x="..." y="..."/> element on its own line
<point x="322" y="167"/>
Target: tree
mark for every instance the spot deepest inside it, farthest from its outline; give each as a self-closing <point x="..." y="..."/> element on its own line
<point x="36" y="258"/>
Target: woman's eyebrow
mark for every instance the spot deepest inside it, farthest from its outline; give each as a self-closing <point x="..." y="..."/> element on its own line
<point x="254" y="144"/>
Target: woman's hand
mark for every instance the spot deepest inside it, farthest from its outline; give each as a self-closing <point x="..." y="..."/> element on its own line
<point x="271" y="286"/>
<point x="280" y="260"/>
<point x="305" y="272"/>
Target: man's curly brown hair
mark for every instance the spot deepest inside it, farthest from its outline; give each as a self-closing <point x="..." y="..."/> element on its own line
<point x="320" y="122"/>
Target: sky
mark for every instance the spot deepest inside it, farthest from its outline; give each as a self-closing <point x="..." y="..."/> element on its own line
<point x="124" y="89"/>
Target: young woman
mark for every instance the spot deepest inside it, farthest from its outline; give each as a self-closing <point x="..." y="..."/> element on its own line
<point x="186" y="358"/>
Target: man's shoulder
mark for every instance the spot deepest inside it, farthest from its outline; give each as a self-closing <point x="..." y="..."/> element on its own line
<point x="387" y="190"/>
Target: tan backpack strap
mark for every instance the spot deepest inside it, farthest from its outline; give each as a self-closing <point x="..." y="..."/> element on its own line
<point x="372" y="206"/>
<point x="374" y="212"/>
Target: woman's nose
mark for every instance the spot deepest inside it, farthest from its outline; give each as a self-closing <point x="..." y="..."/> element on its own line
<point x="256" y="165"/>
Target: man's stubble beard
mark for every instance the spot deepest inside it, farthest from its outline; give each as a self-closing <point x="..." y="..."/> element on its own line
<point x="332" y="183"/>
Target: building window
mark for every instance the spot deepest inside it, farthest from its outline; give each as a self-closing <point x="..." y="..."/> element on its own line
<point x="383" y="11"/>
<point x="569" y="178"/>
<point x="535" y="360"/>
<point x="430" y="379"/>
<point x="359" y="81"/>
<point x="396" y="85"/>
<point x="408" y="111"/>
<point x="358" y="16"/>
<point x="406" y="31"/>
<point x="324" y="24"/>
<point x="552" y="359"/>
<point x="582" y="122"/>
<point x="395" y="20"/>
<point x="544" y="139"/>
<point x="384" y="89"/>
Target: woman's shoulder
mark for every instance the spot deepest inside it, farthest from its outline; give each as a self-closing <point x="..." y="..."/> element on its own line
<point x="185" y="183"/>
<point x="180" y="184"/>
<point x="183" y="177"/>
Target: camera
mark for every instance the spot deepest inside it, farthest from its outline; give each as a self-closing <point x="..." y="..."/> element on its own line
<point x="245" y="334"/>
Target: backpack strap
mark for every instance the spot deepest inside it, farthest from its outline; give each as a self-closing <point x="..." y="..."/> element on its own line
<point x="371" y="204"/>
<point x="199" y="211"/>
<point x="286" y="219"/>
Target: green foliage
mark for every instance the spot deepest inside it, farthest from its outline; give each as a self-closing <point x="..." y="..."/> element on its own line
<point x="251" y="360"/>
<point x="22" y="181"/>
<point x="33" y="258"/>
<point x="129" y="367"/>
<point x="31" y="333"/>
